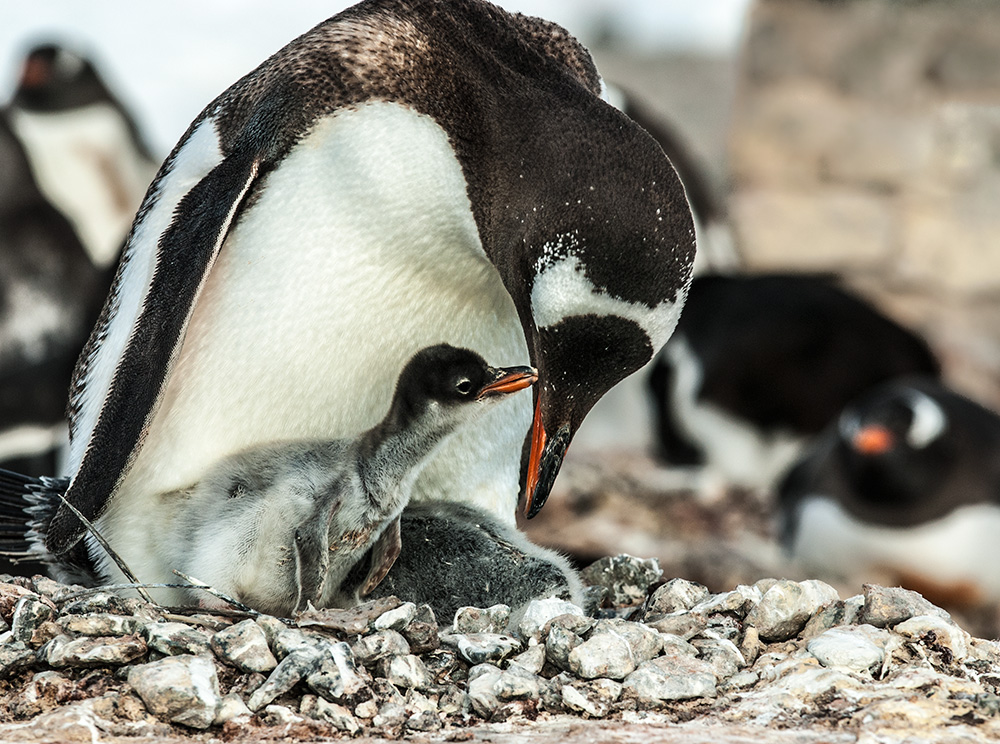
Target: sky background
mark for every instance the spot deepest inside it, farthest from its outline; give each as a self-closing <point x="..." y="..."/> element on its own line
<point x="167" y="60"/>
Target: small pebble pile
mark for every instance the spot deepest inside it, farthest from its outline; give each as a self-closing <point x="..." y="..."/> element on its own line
<point x="775" y="653"/>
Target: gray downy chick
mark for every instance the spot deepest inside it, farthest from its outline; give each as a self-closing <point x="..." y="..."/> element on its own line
<point x="455" y="555"/>
<point x="279" y="526"/>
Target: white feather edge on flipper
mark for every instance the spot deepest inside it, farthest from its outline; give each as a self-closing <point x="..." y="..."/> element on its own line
<point x="192" y="162"/>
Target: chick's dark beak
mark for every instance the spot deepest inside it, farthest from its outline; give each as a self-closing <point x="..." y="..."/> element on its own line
<point x="544" y="460"/>
<point x="509" y="380"/>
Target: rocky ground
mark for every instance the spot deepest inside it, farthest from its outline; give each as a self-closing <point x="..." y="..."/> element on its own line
<point x="778" y="660"/>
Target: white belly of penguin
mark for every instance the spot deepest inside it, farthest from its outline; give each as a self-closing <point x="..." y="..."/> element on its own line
<point x="360" y="250"/>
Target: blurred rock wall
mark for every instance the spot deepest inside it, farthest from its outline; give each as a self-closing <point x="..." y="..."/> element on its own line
<point x="865" y="140"/>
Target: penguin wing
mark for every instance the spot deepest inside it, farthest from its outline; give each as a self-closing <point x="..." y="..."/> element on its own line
<point x="174" y="242"/>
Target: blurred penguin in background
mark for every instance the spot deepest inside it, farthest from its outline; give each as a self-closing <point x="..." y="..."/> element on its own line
<point x="73" y="170"/>
<point x="904" y="487"/>
<point x="85" y="149"/>
<point x="50" y="297"/>
<point x="760" y="364"/>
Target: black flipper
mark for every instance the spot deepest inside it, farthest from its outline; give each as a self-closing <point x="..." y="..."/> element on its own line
<point x="187" y="250"/>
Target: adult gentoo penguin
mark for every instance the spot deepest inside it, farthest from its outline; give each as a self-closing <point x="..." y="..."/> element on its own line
<point x="903" y="487"/>
<point x="280" y="525"/>
<point x="403" y="174"/>
<point x="86" y="151"/>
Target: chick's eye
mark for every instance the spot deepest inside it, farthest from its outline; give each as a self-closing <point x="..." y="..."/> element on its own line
<point x="464" y="386"/>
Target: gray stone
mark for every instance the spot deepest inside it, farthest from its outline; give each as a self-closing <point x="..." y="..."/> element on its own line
<point x="280" y="715"/>
<point x="594" y="698"/>
<point x="390" y="715"/>
<point x="644" y="641"/>
<point x="231" y="706"/>
<point x="29" y="613"/>
<point x="626" y="577"/>
<point x="397" y="619"/>
<point x="737" y="602"/>
<point x="172" y="639"/>
<point x="291" y="639"/>
<point x="533" y="659"/>
<point x="65" y="651"/>
<point x="539" y="613"/>
<point x="721" y="654"/>
<point x="323" y="710"/>
<point x="482" y="695"/>
<point x="827" y="617"/>
<point x="288" y="673"/>
<point x="417" y="702"/>
<point x="426" y="720"/>
<point x="937" y="634"/>
<point x="516" y="683"/>
<point x="101" y="624"/>
<point x="844" y="649"/>
<point x="422" y="636"/>
<point x="407" y="671"/>
<point x="478" y="648"/>
<point x="676" y="594"/>
<point x="750" y="645"/>
<point x="453" y="701"/>
<point x="371" y="648"/>
<point x="14" y="655"/>
<point x="681" y="623"/>
<point x="786" y="607"/>
<point x="475" y="620"/>
<point x="558" y="645"/>
<point x="271" y="626"/>
<point x="852" y="609"/>
<point x="336" y="676"/>
<point x="97" y="602"/>
<point x="573" y="623"/>
<point x="674" y="677"/>
<point x="179" y="689"/>
<point x="244" y="645"/>
<point x="888" y="606"/>
<point x="604" y="654"/>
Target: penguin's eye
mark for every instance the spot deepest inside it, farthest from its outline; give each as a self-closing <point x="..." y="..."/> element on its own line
<point x="237" y="490"/>
<point x="464" y="386"/>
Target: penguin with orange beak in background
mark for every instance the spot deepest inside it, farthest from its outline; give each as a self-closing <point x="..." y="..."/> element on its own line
<point x="904" y="487"/>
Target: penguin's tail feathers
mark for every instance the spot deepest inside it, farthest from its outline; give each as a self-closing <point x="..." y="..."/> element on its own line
<point x="27" y="504"/>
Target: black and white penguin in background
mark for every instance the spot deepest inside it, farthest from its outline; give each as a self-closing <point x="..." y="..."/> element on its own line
<point x="904" y="488"/>
<point x="406" y="173"/>
<point x="50" y="297"/>
<point x="761" y="363"/>
<point x="85" y="149"/>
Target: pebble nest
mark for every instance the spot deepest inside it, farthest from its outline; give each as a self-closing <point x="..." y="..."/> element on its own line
<point x="774" y="655"/>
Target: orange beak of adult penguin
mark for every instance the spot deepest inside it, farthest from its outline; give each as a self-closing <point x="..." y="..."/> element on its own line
<point x="548" y="448"/>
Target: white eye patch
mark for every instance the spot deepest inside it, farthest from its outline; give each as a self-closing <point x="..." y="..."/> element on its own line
<point x="929" y="421"/>
<point x="562" y="290"/>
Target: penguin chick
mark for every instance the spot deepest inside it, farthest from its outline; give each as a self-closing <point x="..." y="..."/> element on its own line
<point x="454" y="555"/>
<point x="280" y="525"/>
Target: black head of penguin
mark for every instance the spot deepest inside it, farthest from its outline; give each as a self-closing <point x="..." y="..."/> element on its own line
<point x="448" y="378"/>
<point x="603" y="261"/>
<point x="913" y="450"/>
<point x="54" y="78"/>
